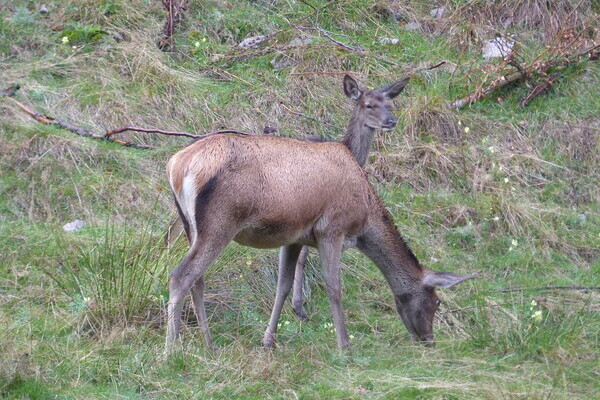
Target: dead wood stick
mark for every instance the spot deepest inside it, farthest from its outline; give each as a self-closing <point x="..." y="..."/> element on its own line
<point x="497" y="84"/>
<point x="175" y="14"/>
<point x="138" y="129"/>
<point x="109" y="135"/>
<point x="329" y="35"/>
<point x="176" y="133"/>
<point x="538" y="68"/>
<point x="546" y="288"/>
<point x="75" y="129"/>
<point x="539" y="89"/>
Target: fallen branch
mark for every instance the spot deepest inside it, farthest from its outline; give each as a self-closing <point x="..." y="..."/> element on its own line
<point x="538" y="69"/>
<point x="175" y="14"/>
<point x="546" y="288"/>
<point x="496" y="84"/>
<point x="75" y="129"/>
<point x="539" y="89"/>
<point x="329" y="35"/>
<point x="176" y="133"/>
<point x="109" y="135"/>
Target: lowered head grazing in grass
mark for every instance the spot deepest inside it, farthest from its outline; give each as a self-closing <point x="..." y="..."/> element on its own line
<point x="266" y="192"/>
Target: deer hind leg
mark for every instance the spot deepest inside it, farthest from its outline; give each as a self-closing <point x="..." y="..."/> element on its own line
<point x="288" y="256"/>
<point x="183" y="278"/>
<point x="330" y="251"/>
<point x="297" y="297"/>
<point x="198" y="299"/>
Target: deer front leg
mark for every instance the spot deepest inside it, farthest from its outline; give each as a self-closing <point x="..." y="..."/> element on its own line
<point x="297" y="297"/>
<point x="288" y="256"/>
<point x="330" y="251"/>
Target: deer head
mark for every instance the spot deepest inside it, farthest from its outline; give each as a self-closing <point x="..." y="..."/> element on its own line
<point x="372" y="105"/>
<point x="417" y="308"/>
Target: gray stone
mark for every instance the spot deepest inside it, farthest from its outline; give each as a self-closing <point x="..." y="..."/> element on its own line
<point x="74" y="226"/>
<point x="302" y="40"/>
<point x="412" y="26"/>
<point x="252" y="41"/>
<point x="438" y="12"/>
<point x="282" y="61"/>
<point x="497" y="48"/>
<point x="388" y="40"/>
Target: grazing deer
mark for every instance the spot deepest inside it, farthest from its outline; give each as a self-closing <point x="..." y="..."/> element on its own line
<point x="267" y="192"/>
<point x="369" y="114"/>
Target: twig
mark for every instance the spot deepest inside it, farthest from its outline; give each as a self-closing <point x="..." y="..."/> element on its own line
<point x="176" y="133"/>
<point x="75" y="129"/>
<point x="539" y="89"/>
<point x="362" y="73"/>
<point x="496" y="84"/>
<point x="545" y="288"/>
<point x="334" y="73"/>
<point x="109" y="135"/>
<point x="434" y="66"/>
<point x="539" y="68"/>
<point x="328" y="35"/>
<point x="175" y="14"/>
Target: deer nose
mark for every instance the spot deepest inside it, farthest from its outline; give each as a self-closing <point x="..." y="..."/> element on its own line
<point x="389" y="123"/>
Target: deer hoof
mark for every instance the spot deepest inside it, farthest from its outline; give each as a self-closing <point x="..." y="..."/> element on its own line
<point x="268" y="342"/>
<point x="301" y="314"/>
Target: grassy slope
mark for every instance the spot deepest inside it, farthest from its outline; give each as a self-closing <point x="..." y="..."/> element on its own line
<point x="515" y="199"/>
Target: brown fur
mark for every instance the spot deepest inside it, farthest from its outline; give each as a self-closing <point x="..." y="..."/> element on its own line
<point x="270" y="192"/>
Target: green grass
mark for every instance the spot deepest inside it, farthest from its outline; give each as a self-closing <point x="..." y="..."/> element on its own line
<point x="514" y="199"/>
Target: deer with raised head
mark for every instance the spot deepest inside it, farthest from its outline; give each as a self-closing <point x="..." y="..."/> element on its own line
<point x="267" y="192"/>
<point x="369" y="114"/>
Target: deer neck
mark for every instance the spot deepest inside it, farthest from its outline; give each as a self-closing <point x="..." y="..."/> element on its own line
<point x="384" y="245"/>
<point x="358" y="137"/>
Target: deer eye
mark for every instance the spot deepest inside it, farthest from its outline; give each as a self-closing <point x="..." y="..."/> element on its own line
<point x="369" y="106"/>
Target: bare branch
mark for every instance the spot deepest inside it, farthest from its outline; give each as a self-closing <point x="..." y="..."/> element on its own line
<point x="539" y="68"/>
<point x="109" y="135"/>
<point x="329" y="35"/>
<point x="175" y="14"/>
<point x="546" y="288"/>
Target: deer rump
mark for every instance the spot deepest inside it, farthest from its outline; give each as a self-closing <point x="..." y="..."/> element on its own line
<point x="268" y="192"/>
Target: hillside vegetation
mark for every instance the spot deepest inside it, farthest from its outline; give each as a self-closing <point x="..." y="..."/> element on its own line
<point x="508" y="192"/>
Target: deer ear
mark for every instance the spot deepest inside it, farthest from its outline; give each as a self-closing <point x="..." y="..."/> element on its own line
<point x="394" y="89"/>
<point x="351" y="88"/>
<point x="444" y="279"/>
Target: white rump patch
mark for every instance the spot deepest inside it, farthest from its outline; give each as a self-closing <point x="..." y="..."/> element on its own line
<point x="187" y="202"/>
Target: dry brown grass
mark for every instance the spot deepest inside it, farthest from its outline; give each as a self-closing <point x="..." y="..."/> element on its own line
<point x="472" y="23"/>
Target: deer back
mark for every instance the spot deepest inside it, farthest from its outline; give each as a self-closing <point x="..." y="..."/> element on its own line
<point x="274" y="190"/>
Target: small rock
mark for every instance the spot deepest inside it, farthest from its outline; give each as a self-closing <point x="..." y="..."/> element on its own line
<point x="120" y="36"/>
<point x="497" y="48"/>
<point x="302" y="40"/>
<point x="282" y="61"/>
<point x="43" y="9"/>
<point x="253" y="41"/>
<point x="74" y="226"/>
<point x="412" y="26"/>
<point x="388" y="40"/>
<point x="507" y="22"/>
<point x="434" y="260"/>
<point x="438" y="12"/>
<point x="391" y="9"/>
<point x="582" y="217"/>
